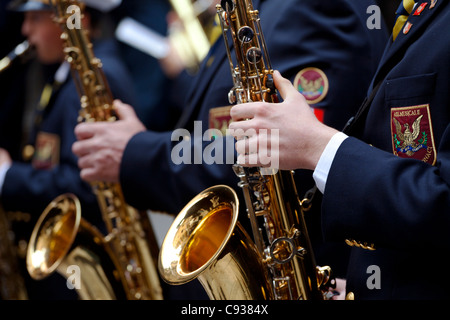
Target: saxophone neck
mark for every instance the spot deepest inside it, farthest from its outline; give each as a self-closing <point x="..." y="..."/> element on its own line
<point x="87" y="70"/>
<point x="252" y="74"/>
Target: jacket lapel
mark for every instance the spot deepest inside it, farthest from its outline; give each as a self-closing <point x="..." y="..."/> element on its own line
<point x="197" y="89"/>
<point x="216" y="57"/>
<point x="397" y="49"/>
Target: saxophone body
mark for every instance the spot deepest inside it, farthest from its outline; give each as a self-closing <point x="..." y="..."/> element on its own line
<point x="282" y="262"/>
<point x="130" y="241"/>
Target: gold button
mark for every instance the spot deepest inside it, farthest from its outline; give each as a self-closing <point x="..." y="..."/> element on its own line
<point x="28" y="152"/>
<point x="350" y="296"/>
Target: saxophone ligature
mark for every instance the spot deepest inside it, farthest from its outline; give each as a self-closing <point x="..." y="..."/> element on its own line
<point x="60" y="236"/>
<point x="281" y="265"/>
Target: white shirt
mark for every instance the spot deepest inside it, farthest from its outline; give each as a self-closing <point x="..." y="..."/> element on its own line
<point x="3" y="169"/>
<point x="320" y="174"/>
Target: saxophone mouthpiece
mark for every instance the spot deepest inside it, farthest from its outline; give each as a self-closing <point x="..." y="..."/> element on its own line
<point x="19" y="51"/>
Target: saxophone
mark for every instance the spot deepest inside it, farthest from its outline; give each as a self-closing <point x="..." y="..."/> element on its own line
<point x="130" y="244"/>
<point x="278" y="264"/>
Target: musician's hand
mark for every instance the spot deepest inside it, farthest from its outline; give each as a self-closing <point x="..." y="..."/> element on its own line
<point x="340" y="290"/>
<point x="287" y="132"/>
<point x="100" y="145"/>
<point x="5" y="158"/>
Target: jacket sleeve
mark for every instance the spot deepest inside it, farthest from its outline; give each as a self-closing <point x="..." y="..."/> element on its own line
<point x="409" y="210"/>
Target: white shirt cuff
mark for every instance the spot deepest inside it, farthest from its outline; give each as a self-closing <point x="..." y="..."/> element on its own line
<point x="3" y="169"/>
<point x="320" y="174"/>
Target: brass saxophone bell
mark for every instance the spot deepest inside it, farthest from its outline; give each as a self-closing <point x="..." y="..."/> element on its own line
<point x="62" y="241"/>
<point x="206" y="242"/>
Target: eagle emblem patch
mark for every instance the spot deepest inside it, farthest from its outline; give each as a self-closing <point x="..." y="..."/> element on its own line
<point x="412" y="133"/>
<point x="313" y="84"/>
<point x="47" y="151"/>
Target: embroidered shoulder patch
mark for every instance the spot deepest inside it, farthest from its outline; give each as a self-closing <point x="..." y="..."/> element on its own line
<point x="220" y="118"/>
<point x="47" y="151"/>
<point x="412" y="133"/>
<point x="313" y="84"/>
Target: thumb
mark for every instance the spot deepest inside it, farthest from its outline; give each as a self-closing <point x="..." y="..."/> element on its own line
<point x="124" y="111"/>
<point x="283" y="85"/>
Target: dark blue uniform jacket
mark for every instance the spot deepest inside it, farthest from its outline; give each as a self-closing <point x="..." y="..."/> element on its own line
<point x="400" y="204"/>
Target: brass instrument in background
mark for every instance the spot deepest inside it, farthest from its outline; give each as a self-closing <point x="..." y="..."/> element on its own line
<point x="62" y="241"/>
<point x="12" y="285"/>
<point x="19" y="51"/>
<point x="190" y="37"/>
<point x="130" y="242"/>
<point x="281" y="265"/>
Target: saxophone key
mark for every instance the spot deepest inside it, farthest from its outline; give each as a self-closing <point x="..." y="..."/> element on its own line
<point x="245" y="34"/>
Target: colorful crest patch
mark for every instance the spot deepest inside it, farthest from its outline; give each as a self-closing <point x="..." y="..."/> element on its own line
<point x="412" y="133"/>
<point x="313" y="84"/>
<point x="407" y="27"/>
<point x="47" y="151"/>
<point x="219" y="118"/>
<point x="419" y="10"/>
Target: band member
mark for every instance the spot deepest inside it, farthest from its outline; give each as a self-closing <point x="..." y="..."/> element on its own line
<point x="385" y="180"/>
<point x="324" y="47"/>
<point x="48" y="167"/>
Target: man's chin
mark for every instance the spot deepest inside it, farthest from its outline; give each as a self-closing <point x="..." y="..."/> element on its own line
<point x="48" y="61"/>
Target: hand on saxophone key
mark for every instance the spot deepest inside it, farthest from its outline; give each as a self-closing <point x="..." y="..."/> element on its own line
<point x="100" y="145"/>
<point x="300" y="138"/>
